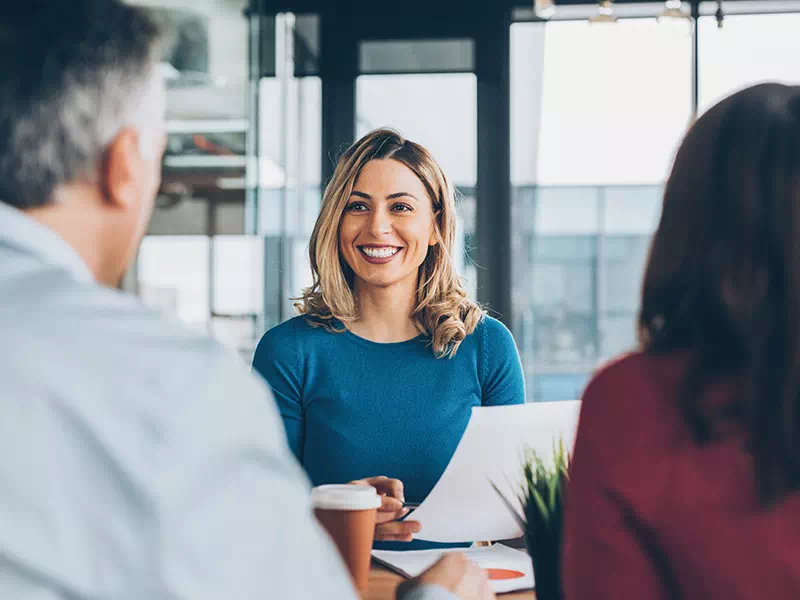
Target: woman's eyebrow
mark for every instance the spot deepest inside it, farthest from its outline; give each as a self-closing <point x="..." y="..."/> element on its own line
<point x="401" y="195"/>
<point x="389" y="197"/>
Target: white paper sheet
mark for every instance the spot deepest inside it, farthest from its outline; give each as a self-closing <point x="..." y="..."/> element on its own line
<point x="463" y="506"/>
<point x="413" y="562"/>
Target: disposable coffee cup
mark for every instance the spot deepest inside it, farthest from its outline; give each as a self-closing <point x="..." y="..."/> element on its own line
<point x="348" y="513"/>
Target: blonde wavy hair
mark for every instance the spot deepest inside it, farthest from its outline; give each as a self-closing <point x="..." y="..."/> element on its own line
<point x="443" y="310"/>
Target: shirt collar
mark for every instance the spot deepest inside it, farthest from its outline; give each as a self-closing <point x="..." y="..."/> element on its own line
<point x="22" y="232"/>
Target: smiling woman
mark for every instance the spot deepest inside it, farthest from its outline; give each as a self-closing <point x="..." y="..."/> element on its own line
<point x="385" y="187"/>
<point x="381" y="227"/>
<point x="380" y="372"/>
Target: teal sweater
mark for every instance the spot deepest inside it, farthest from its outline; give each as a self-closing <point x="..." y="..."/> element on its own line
<point x="353" y="408"/>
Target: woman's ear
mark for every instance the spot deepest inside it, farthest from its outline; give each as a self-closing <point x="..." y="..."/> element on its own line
<point x="434" y="239"/>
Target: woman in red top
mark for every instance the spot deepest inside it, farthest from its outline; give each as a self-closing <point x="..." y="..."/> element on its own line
<point x="687" y="462"/>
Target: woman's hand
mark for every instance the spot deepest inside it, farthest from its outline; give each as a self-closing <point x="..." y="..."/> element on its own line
<point x="387" y="527"/>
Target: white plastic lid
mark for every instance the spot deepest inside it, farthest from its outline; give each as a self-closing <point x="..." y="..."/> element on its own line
<point x="345" y="497"/>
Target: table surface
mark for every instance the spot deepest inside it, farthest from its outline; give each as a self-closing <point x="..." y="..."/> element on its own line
<point x="383" y="583"/>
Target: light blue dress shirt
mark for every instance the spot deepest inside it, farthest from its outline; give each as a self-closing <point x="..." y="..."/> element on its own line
<point x="139" y="460"/>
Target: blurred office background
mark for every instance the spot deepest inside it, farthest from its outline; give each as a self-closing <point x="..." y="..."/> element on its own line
<point x="559" y="134"/>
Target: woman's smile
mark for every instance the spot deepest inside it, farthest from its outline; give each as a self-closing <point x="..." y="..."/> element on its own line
<point x="379" y="255"/>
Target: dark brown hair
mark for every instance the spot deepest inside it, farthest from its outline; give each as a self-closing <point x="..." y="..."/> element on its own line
<point x="723" y="277"/>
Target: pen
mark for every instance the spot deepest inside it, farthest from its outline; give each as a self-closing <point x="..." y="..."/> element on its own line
<point x="410" y="506"/>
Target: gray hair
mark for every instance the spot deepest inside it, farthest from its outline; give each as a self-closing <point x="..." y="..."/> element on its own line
<point x="72" y="75"/>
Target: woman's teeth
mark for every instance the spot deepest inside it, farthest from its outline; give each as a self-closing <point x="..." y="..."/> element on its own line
<point x="380" y="252"/>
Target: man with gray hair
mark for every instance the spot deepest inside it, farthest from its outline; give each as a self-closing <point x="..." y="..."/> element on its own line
<point x="138" y="460"/>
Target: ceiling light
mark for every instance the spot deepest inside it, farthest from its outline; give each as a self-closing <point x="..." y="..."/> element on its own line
<point x="544" y="9"/>
<point x="673" y="9"/>
<point x="605" y="12"/>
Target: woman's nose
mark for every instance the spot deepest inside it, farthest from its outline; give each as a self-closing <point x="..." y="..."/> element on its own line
<point x="380" y="223"/>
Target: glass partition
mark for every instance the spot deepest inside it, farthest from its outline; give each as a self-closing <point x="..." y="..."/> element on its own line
<point x="192" y="262"/>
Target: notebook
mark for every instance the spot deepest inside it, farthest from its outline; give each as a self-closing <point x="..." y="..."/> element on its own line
<point x="509" y="569"/>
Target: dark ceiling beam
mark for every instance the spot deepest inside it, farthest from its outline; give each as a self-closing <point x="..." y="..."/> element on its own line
<point x="423" y="10"/>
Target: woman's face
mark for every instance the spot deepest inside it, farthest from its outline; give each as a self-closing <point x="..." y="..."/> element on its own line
<point x="387" y="225"/>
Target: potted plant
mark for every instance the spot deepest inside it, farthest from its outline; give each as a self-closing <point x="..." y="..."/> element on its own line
<point x="542" y="499"/>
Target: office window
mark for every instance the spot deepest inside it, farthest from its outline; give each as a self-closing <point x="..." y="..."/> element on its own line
<point x="597" y="112"/>
<point x="748" y="49"/>
<point x="416" y="56"/>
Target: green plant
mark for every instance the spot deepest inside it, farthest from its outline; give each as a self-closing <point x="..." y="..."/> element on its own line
<point x="542" y="498"/>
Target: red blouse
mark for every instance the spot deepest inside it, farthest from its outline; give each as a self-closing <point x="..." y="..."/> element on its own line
<point x="652" y="515"/>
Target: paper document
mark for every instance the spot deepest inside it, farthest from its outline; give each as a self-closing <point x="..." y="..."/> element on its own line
<point x="413" y="562"/>
<point x="463" y="506"/>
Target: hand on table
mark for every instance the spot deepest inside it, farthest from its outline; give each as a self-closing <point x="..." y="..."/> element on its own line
<point x="387" y="527"/>
<point x="455" y="573"/>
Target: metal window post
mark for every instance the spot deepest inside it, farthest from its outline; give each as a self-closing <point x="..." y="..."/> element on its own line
<point x="493" y="227"/>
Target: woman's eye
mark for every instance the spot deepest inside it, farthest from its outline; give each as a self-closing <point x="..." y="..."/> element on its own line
<point x="356" y="207"/>
<point x="402" y="208"/>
